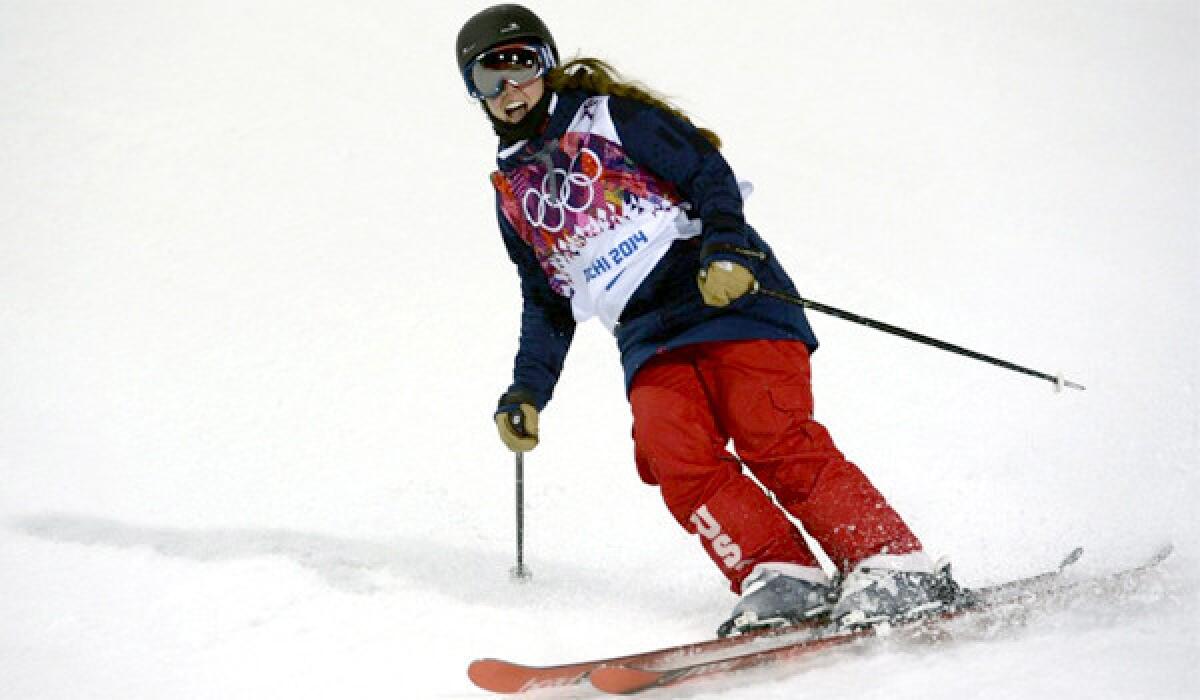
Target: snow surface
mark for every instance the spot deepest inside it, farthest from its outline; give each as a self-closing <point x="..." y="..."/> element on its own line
<point x="254" y="316"/>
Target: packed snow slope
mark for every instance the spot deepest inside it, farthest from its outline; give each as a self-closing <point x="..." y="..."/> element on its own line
<point x="254" y="317"/>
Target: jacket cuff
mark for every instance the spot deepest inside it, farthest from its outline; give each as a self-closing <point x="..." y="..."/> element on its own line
<point x="716" y="250"/>
<point x="516" y="396"/>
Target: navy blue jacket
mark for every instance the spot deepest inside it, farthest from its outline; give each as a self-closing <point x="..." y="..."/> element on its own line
<point x="666" y="311"/>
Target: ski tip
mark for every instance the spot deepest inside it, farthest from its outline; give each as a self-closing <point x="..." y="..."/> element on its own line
<point x="496" y="676"/>
<point x="1071" y="558"/>
<point x="1162" y="553"/>
<point x="623" y="679"/>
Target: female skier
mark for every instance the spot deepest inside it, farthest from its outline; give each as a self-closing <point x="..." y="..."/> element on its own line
<point x="613" y="205"/>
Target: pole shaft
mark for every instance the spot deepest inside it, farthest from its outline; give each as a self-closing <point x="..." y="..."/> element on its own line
<point x="520" y="514"/>
<point x="916" y="337"/>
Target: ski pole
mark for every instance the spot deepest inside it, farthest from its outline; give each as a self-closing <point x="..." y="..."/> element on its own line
<point x="519" y="572"/>
<point x="1058" y="381"/>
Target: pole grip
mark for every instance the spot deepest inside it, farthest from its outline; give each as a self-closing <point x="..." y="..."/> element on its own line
<point x="516" y="420"/>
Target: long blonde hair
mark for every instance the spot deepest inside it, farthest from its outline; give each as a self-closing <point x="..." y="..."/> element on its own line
<point x="596" y="75"/>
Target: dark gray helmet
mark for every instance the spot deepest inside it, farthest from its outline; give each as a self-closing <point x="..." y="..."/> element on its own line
<point x="498" y="24"/>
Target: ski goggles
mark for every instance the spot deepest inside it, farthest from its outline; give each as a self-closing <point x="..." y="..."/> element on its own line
<point x="519" y="64"/>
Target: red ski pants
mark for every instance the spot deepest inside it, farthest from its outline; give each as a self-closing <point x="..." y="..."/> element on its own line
<point x="689" y="402"/>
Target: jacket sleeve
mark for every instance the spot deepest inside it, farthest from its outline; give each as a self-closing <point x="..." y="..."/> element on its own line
<point x="676" y="151"/>
<point x="547" y="324"/>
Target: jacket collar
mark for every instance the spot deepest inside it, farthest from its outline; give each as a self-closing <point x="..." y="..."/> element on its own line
<point x="563" y="107"/>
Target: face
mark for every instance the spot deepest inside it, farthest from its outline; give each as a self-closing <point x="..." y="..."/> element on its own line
<point x="514" y="102"/>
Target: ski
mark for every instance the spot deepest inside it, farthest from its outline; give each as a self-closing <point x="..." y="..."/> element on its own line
<point x="499" y="676"/>
<point x="626" y="679"/>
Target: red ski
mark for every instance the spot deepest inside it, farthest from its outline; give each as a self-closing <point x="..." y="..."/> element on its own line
<point x="500" y="676"/>
<point x="624" y="680"/>
<point x="507" y="677"/>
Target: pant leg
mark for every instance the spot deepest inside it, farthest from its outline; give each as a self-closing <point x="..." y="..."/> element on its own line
<point x="680" y="447"/>
<point x="766" y="404"/>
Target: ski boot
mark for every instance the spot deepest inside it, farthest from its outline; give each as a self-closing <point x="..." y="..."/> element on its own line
<point x="776" y="595"/>
<point x="887" y="588"/>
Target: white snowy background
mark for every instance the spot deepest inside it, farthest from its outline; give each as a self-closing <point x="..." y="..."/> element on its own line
<point x="254" y="317"/>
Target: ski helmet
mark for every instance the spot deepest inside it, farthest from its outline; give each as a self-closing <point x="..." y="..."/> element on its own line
<point x="498" y="24"/>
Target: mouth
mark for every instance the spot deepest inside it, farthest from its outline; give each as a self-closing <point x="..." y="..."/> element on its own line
<point x="516" y="110"/>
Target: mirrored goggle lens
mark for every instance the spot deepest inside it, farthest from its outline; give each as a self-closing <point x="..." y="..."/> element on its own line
<point x="508" y="64"/>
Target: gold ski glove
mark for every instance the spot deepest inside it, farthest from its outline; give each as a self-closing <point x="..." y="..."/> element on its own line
<point x="518" y="426"/>
<point x="723" y="281"/>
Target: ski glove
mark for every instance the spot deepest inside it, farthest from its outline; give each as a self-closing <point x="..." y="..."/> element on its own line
<point x="724" y="281"/>
<point x="517" y="422"/>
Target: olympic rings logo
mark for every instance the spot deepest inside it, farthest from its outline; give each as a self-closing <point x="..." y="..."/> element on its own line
<point x="560" y="190"/>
